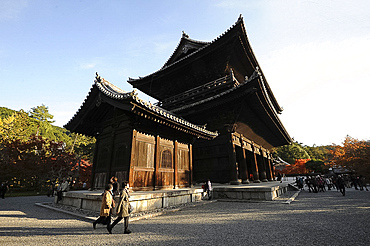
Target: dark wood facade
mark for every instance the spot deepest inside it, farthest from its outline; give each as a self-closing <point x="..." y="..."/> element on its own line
<point x="220" y="85"/>
<point x="137" y="142"/>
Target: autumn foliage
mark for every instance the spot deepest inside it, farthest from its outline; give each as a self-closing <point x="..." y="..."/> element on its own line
<point x="299" y="167"/>
<point x="33" y="152"/>
<point x="353" y="155"/>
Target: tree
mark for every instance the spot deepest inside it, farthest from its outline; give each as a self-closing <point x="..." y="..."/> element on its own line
<point x="317" y="166"/>
<point x="41" y="113"/>
<point x="42" y="121"/>
<point x="353" y="155"/>
<point x="297" y="168"/>
<point x="33" y="151"/>
<point x="290" y="153"/>
<point x="317" y="152"/>
<point x="5" y="112"/>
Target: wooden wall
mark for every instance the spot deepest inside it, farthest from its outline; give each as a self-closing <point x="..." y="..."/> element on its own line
<point x="158" y="163"/>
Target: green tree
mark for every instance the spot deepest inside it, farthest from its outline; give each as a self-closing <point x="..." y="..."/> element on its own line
<point x="42" y="121"/>
<point x="291" y="152"/>
<point x="41" y="113"/>
<point x="5" y="112"/>
<point x="317" y="166"/>
<point x="32" y="150"/>
<point x="318" y="152"/>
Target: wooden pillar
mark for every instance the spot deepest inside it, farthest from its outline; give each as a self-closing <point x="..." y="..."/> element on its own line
<point x="232" y="160"/>
<point x="157" y="159"/>
<point x="256" y="178"/>
<point x="270" y="177"/>
<point x="175" y="164"/>
<point x="243" y="167"/>
<point x="190" y="165"/>
<point x="131" y="180"/>
<point x="95" y="162"/>
<point x="262" y="166"/>
<point x="111" y="156"/>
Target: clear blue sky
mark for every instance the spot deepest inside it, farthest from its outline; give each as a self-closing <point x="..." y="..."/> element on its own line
<point x="315" y="54"/>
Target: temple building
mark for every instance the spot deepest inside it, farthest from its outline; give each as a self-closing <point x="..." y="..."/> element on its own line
<point x="220" y="85"/>
<point x="138" y="142"/>
<point x="216" y="117"/>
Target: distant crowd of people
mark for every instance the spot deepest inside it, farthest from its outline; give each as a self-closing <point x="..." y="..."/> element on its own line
<point x="319" y="183"/>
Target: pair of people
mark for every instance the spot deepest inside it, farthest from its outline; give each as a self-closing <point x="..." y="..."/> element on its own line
<point x="123" y="208"/>
<point x="63" y="187"/>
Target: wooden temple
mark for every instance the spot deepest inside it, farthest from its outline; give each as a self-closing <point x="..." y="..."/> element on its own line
<point x="221" y="86"/>
<point x="138" y="142"/>
<point x="216" y="118"/>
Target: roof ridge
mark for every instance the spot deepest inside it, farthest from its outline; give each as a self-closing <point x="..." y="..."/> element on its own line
<point x="240" y="19"/>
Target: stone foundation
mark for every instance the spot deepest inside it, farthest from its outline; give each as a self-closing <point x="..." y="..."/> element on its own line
<point x="266" y="191"/>
<point x="140" y="201"/>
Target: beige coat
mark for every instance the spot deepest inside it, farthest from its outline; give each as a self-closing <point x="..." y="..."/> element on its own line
<point x="123" y="205"/>
<point x="106" y="204"/>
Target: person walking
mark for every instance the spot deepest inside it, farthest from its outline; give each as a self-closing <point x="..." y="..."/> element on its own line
<point x="341" y="185"/>
<point x="115" y="184"/>
<point x="3" y="189"/>
<point x="106" y="207"/>
<point x="123" y="210"/>
<point x="208" y="187"/>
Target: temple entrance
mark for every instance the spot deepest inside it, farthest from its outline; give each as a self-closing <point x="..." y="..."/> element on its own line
<point x="158" y="163"/>
<point x="142" y="161"/>
<point x="165" y="171"/>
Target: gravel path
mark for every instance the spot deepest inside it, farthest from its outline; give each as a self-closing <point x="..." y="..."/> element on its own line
<point x="312" y="219"/>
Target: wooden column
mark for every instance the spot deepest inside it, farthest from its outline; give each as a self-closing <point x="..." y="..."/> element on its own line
<point x="157" y="159"/>
<point x="132" y="159"/>
<point x="261" y="166"/>
<point x="190" y="165"/>
<point x="270" y="177"/>
<point x="243" y="167"/>
<point x="256" y="178"/>
<point x="175" y="165"/>
<point x="95" y="162"/>
<point x="111" y="156"/>
<point x="232" y="160"/>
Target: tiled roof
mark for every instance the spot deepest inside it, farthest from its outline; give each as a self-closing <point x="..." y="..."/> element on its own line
<point x="240" y="19"/>
<point x="116" y="93"/>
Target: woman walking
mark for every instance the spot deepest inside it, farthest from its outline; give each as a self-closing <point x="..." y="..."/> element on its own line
<point x="123" y="209"/>
<point x="106" y="207"/>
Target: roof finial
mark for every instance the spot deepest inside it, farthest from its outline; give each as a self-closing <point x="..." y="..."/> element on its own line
<point x="97" y="77"/>
<point x="184" y="35"/>
<point x="240" y="18"/>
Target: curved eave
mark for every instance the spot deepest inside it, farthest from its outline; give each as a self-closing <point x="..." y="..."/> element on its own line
<point x="74" y="122"/>
<point x="103" y="91"/>
<point x="249" y="50"/>
<point x="169" y="120"/>
<point x="253" y="90"/>
<point x="271" y="112"/>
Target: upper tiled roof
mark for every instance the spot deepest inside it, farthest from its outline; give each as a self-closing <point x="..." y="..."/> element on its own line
<point x="186" y="37"/>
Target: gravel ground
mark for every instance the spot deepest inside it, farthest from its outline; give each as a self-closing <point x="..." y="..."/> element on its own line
<point x="312" y="219"/>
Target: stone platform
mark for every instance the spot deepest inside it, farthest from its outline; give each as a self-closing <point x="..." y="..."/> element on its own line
<point x="142" y="201"/>
<point x="265" y="191"/>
